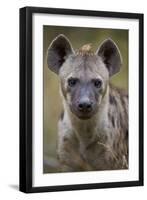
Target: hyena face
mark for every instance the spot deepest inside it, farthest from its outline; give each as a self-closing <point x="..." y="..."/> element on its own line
<point x="84" y="75"/>
<point x="83" y="84"/>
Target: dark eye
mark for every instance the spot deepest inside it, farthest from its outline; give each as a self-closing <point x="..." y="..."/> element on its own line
<point x="72" y="82"/>
<point x="97" y="83"/>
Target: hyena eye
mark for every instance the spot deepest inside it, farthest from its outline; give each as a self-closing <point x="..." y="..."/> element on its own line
<point x="97" y="83"/>
<point x="72" y="82"/>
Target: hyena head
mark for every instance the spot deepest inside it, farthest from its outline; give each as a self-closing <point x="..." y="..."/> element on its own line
<point x="84" y="75"/>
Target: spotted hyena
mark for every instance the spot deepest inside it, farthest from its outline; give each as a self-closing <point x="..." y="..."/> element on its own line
<point x="93" y="127"/>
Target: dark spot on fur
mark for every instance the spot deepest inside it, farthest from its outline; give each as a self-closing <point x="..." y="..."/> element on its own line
<point x="112" y="100"/>
<point x="65" y="139"/>
<point x="113" y="122"/>
<point x="62" y="115"/>
<point x="126" y="136"/>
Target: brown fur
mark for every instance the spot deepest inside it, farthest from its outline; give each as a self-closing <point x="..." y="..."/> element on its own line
<point x="99" y="141"/>
<point x="94" y="147"/>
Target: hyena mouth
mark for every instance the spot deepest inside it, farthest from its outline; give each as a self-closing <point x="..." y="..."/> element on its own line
<point x="84" y="114"/>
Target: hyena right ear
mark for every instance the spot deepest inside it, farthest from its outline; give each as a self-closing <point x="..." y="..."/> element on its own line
<point x="111" y="56"/>
<point x="58" y="51"/>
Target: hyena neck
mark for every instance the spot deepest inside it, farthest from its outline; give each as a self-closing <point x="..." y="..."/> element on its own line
<point x="93" y="129"/>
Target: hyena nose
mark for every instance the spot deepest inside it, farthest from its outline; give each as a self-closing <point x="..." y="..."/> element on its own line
<point x="85" y="106"/>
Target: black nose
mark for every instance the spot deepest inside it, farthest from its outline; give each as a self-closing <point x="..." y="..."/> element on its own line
<point x="85" y="106"/>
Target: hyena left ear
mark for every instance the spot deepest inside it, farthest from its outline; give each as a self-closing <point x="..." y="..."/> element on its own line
<point x="58" y="51"/>
<point x="111" y="56"/>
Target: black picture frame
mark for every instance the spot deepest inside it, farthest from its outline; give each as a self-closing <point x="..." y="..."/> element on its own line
<point x="26" y="98"/>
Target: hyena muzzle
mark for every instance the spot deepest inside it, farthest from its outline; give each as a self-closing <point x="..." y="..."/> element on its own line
<point x="93" y="127"/>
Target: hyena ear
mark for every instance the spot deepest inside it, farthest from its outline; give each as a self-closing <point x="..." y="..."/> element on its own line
<point x="58" y="51"/>
<point x="111" y="56"/>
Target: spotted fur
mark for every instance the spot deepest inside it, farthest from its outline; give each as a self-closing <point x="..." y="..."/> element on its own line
<point x="99" y="142"/>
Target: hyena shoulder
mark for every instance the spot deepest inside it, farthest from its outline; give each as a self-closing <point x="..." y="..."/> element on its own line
<point x="118" y="108"/>
<point x="118" y="119"/>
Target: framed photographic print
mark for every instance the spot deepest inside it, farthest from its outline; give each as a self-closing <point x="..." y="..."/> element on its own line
<point x="81" y="99"/>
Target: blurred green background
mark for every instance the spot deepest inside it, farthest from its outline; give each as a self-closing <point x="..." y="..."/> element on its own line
<point x="52" y="101"/>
